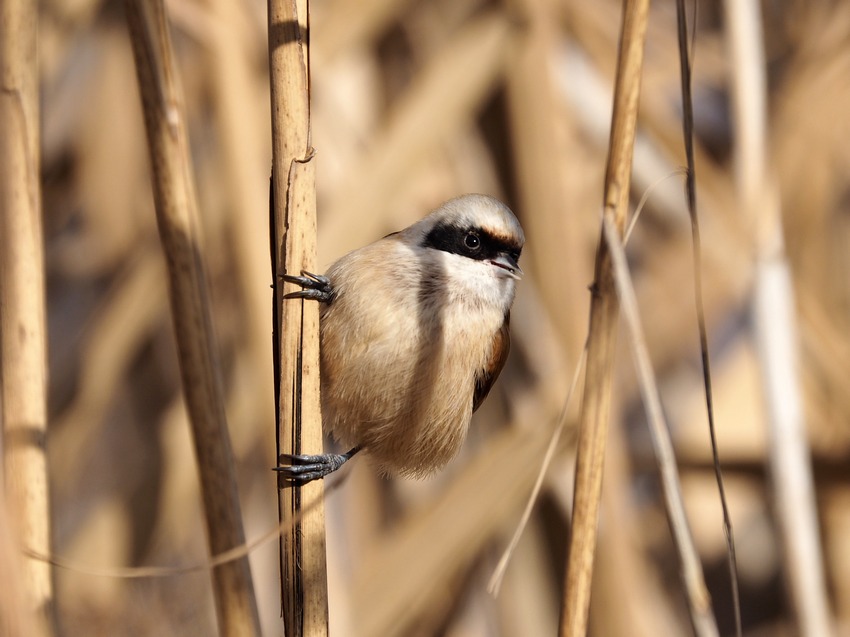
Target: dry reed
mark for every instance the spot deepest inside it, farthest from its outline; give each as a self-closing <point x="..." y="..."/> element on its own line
<point x="303" y="570"/>
<point x="412" y="103"/>
<point x="593" y="428"/>
<point x="775" y="328"/>
<point x="23" y="334"/>
<point x="176" y="210"/>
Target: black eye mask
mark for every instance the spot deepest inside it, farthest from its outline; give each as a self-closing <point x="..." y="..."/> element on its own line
<point x="472" y="242"/>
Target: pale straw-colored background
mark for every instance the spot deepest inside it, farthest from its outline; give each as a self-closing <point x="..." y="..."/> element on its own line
<point x="415" y="102"/>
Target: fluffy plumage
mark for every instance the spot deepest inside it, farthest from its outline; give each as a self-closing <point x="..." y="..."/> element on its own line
<point x="416" y="333"/>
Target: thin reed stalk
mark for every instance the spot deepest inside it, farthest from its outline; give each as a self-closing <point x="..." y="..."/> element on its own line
<point x="176" y="213"/>
<point x="604" y="311"/>
<point x="299" y="431"/>
<point x="23" y="341"/>
<point x="699" y="601"/>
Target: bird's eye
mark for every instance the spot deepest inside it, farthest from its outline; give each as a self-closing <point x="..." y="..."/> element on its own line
<point x="472" y="241"/>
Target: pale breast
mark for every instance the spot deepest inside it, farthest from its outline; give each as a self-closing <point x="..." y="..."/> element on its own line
<point x="398" y="376"/>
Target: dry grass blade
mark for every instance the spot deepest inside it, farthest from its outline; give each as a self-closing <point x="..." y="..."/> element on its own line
<point x="176" y="210"/>
<point x="699" y="601"/>
<point x="495" y="582"/>
<point x="23" y="340"/>
<point x="148" y="572"/>
<point x="690" y="191"/>
<point x="303" y="560"/>
<point x="603" y="327"/>
<point x="775" y="328"/>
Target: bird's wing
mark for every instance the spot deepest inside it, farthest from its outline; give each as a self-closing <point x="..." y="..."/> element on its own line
<point x="486" y="377"/>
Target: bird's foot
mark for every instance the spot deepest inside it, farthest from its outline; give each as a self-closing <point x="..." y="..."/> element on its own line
<point x="316" y="287"/>
<point x="294" y="470"/>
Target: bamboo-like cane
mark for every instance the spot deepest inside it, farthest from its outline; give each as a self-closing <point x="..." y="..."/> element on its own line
<point x="23" y="342"/>
<point x="176" y="213"/>
<point x="303" y="560"/>
<point x="604" y="312"/>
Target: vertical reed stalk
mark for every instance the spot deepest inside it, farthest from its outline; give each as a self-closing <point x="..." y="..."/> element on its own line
<point x="16" y="616"/>
<point x="604" y="310"/>
<point x="23" y="342"/>
<point x="303" y="559"/>
<point x="176" y="213"/>
<point x="775" y="327"/>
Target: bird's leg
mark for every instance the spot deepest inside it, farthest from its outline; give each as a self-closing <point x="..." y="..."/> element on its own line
<point x="316" y="287"/>
<point x="295" y="470"/>
<point x="299" y="470"/>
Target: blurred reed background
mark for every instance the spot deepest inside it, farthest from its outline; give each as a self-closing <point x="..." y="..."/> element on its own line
<point x="413" y="103"/>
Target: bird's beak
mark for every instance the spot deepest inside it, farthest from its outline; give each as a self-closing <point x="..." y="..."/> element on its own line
<point x="508" y="264"/>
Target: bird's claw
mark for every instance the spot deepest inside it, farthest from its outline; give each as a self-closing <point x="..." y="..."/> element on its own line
<point x="298" y="470"/>
<point x="316" y="287"/>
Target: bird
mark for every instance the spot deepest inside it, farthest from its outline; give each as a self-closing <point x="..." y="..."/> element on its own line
<point x="414" y="331"/>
